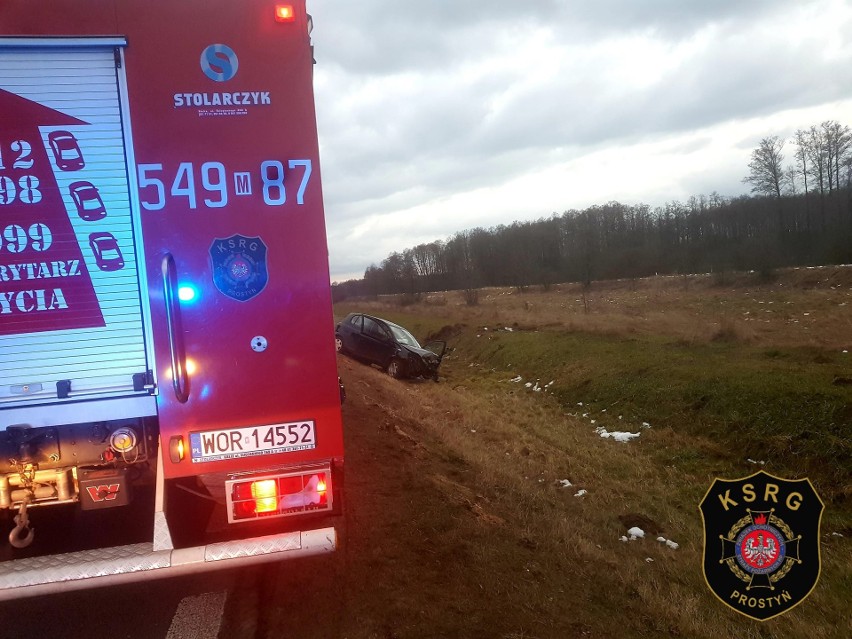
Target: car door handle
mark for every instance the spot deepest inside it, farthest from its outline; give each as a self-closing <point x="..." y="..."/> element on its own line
<point x="180" y="376"/>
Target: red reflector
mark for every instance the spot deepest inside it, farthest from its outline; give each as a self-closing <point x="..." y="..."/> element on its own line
<point x="285" y="13"/>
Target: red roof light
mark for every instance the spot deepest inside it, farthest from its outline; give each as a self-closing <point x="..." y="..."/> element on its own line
<point x="285" y="13"/>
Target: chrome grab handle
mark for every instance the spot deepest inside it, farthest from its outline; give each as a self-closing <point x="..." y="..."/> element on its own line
<point x="180" y="377"/>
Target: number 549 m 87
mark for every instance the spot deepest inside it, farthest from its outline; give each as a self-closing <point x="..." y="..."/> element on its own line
<point x="218" y="184"/>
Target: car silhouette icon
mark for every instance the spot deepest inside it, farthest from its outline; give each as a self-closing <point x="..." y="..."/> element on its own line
<point x="89" y="204"/>
<point x="108" y="256"/>
<point x="66" y="151"/>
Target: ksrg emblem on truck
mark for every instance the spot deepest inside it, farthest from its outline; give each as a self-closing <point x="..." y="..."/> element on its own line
<point x="239" y="266"/>
<point x="761" y="543"/>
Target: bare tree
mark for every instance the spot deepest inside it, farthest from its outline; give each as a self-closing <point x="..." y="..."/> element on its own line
<point x="790" y="175"/>
<point x="801" y="156"/>
<point x="836" y="139"/>
<point x="767" y="175"/>
<point x="817" y="156"/>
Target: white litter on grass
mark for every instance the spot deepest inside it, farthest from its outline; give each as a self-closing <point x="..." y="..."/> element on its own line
<point x="836" y="534"/>
<point x="646" y="425"/>
<point x="648" y="560"/>
<point x="668" y="542"/>
<point x="472" y="430"/>
<point x="755" y="462"/>
<point x="566" y="483"/>
<point x="509" y="328"/>
<point x="618" y="436"/>
<point x="549" y="384"/>
<point x="528" y="385"/>
<point x="581" y="492"/>
<point x="636" y="533"/>
<point x="623" y="538"/>
<point x="516" y="379"/>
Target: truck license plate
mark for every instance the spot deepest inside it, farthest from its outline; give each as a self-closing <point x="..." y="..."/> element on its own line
<point x="215" y="445"/>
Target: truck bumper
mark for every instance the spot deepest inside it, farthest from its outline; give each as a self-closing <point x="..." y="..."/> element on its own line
<point x="138" y="562"/>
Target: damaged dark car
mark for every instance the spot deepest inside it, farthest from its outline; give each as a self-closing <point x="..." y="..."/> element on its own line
<point x="388" y="345"/>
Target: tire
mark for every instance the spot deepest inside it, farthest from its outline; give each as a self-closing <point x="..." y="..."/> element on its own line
<point x="338" y="343"/>
<point x="395" y="369"/>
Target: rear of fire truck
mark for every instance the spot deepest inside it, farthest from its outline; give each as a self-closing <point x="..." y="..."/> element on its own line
<point x="169" y="401"/>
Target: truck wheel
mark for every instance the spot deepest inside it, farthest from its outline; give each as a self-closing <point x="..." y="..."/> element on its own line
<point x="395" y="369"/>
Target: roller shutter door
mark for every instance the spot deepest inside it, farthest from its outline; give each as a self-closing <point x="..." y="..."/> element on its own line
<point x="72" y="324"/>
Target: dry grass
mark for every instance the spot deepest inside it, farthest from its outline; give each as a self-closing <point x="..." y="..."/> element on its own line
<point x="801" y="307"/>
<point x="518" y="446"/>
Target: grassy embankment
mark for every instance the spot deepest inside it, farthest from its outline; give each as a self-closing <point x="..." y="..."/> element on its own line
<point x="721" y="375"/>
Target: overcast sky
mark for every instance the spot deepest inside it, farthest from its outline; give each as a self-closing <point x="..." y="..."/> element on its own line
<point x="443" y="115"/>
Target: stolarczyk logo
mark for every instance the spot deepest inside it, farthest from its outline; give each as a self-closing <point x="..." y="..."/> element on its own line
<point x="761" y="543"/>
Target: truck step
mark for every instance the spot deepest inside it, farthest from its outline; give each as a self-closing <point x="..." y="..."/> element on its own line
<point x="136" y="562"/>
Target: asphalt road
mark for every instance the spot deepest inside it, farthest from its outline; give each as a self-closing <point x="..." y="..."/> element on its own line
<point x="185" y="607"/>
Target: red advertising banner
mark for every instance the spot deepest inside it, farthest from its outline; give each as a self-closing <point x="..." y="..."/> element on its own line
<point x="44" y="282"/>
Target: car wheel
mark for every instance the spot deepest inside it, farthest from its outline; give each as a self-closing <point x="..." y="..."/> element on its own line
<point x="338" y="343"/>
<point x="395" y="369"/>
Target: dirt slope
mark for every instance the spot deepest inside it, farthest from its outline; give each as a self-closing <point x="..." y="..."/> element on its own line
<point x="423" y="557"/>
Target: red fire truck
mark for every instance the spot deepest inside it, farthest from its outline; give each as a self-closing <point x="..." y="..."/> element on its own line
<point x="169" y="399"/>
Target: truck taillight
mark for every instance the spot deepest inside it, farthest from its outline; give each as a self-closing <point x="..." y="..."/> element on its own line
<point x="280" y="495"/>
<point x="285" y="13"/>
<point x="177" y="449"/>
<point x="265" y="495"/>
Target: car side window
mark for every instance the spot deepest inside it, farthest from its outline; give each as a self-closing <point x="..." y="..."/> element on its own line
<point x="355" y="320"/>
<point x="373" y="329"/>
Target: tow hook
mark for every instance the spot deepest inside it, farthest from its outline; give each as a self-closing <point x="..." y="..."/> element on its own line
<point x="22" y="535"/>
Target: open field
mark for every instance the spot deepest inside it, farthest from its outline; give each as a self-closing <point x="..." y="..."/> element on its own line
<point x="718" y="378"/>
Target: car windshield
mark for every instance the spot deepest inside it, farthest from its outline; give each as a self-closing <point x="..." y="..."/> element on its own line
<point x="403" y="336"/>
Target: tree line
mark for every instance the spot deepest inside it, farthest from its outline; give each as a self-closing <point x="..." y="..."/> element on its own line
<point x="798" y="213"/>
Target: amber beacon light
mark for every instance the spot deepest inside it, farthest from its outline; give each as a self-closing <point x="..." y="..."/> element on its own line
<point x="285" y="13"/>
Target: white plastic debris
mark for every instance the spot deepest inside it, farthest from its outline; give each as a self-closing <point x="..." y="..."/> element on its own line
<point x="648" y="560"/>
<point x="581" y="492"/>
<point x="565" y="483"/>
<point x="646" y="425"/>
<point x="755" y="461"/>
<point x="836" y="534"/>
<point x="528" y="385"/>
<point x="516" y="379"/>
<point x="618" y="436"/>
<point x="636" y="533"/>
<point x="668" y="542"/>
<point x="623" y="538"/>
